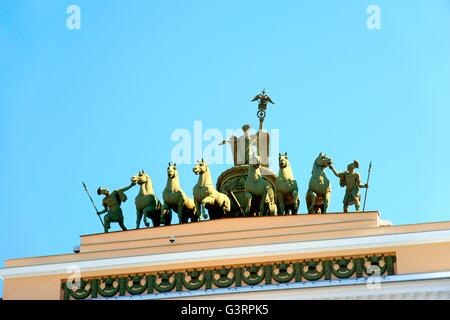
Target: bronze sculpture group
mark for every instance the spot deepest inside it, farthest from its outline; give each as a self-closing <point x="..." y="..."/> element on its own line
<point x="247" y="192"/>
<point x="261" y="198"/>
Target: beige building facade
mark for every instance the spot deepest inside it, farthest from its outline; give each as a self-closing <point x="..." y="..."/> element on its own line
<point x="314" y="256"/>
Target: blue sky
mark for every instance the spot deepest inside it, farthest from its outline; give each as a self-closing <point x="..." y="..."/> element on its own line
<point x="100" y="103"/>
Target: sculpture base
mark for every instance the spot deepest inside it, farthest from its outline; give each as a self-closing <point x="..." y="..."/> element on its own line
<point x="277" y="257"/>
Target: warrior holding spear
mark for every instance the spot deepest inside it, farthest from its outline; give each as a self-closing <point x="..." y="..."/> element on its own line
<point x="111" y="203"/>
<point x="352" y="181"/>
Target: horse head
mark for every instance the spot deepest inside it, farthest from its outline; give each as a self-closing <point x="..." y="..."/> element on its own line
<point x="323" y="160"/>
<point x="200" y="167"/>
<point x="141" y="178"/>
<point x="283" y="160"/>
<point x="256" y="162"/>
<point x="172" y="170"/>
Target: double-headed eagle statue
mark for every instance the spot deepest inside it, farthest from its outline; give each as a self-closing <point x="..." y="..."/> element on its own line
<point x="263" y="99"/>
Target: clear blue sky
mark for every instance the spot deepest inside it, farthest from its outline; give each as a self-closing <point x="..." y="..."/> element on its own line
<point x="100" y="103"/>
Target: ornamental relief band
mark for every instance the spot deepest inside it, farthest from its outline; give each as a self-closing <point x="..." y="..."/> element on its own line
<point x="281" y="272"/>
<point x="248" y="189"/>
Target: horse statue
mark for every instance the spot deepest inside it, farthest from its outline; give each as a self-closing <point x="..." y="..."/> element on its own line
<point x="206" y="195"/>
<point x="318" y="195"/>
<point x="147" y="204"/>
<point x="286" y="186"/>
<point x="259" y="193"/>
<point x="175" y="199"/>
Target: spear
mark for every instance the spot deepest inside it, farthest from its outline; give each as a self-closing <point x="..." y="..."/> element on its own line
<point x="368" y="177"/>
<point x="95" y="207"/>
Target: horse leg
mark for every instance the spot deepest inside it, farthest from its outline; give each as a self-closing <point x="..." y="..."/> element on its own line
<point x="273" y="209"/>
<point x="163" y="213"/>
<point x="164" y="209"/>
<point x="224" y="208"/>
<point x="207" y="201"/>
<point x="193" y="216"/>
<point x="248" y="203"/>
<point x="226" y="204"/>
<point x="326" y="201"/>
<point x="221" y="203"/>
<point x="263" y="209"/>
<point x="168" y="218"/>
<point x="198" y="209"/>
<point x="296" y="204"/>
<point x="180" y="211"/>
<point x="147" y="212"/>
<point x="280" y="203"/>
<point x="311" y="198"/>
<point x="270" y="208"/>
<point x="308" y="203"/>
<point x="138" y="218"/>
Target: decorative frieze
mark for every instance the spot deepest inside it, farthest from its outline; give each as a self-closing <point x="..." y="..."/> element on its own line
<point x="231" y="276"/>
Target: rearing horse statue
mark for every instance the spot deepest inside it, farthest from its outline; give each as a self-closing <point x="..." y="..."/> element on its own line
<point x="147" y="204"/>
<point x="175" y="199"/>
<point x="206" y="195"/>
<point x="257" y="188"/>
<point x="318" y="195"/>
<point x="287" y="189"/>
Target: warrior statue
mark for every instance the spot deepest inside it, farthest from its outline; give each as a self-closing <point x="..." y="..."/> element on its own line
<point x="175" y="199"/>
<point x="147" y="204"/>
<point x="111" y="203"/>
<point x="242" y="147"/>
<point x="287" y="189"/>
<point x="207" y="197"/>
<point x="351" y="180"/>
<point x="259" y="193"/>
<point x="318" y="195"/>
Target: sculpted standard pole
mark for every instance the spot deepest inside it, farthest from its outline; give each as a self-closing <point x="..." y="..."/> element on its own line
<point x="95" y="207"/>
<point x="262" y="99"/>
<point x="262" y="146"/>
<point x="365" y="195"/>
